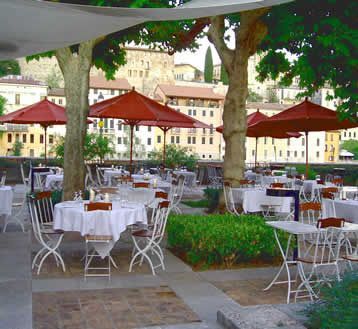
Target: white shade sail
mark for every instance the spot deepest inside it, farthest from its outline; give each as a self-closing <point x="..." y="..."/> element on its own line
<point x="28" y="27"/>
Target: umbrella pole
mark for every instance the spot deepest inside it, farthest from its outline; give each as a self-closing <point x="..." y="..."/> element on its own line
<point x="45" y="127"/>
<point x="131" y="151"/>
<point x="306" y="133"/>
<point x="164" y="141"/>
<point x="256" y="153"/>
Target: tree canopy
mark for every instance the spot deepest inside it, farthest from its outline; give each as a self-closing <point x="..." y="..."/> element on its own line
<point x="209" y="67"/>
<point x="2" y="105"/>
<point x="9" y="67"/>
<point x="316" y="41"/>
<point x="223" y="75"/>
<point x="351" y="145"/>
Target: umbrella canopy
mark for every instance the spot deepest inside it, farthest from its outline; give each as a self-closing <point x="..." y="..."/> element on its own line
<point x="44" y="113"/>
<point x="256" y="117"/>
<point x="136" y="109"/>
<point x="305" y="117"/>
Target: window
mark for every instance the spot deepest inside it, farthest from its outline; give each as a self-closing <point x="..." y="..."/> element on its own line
<point x="354" y="135"/>
<point x="32" y="138"/>
<point x="280" y="153"/>
<point x="350" y="134"/>
<point x="9" y="138"/>
<point x="149" y="141"/>
<point x="60" y="101"/>
<point x="172" y="139"/>
<point x="253" y="152"/>
<point x="204" y="113"/>
<point x="141" y="74"/>
<point x="189" y="140"/>
<point x="295" y="154"/>
<point x="136" y="128"/>
<point x="24" y="137"/>
<point x="17" y="137"/>
<point x="288" y="142"/>
<point x="134" y="73"/>
<point x="211" y="140"/>
<point x="119" y="126"/>
<point x="317" y="154"/>
<point x="211" y="128"/>
<point x="204" y="131"/>
<point x="194" y="113"/>
<point x="317" y="142"/>
<point x="288" y="154"/>
<point x="203" y="156"/>
<point x="17" y="99"/>
<point x="273" y="141"/>
<point x="203" y="140"/>
<point x="112" y="91"/>
<point x="111" y="124"/>
<point x="50" y="139"/>
<point x="32" y="153"/>
<point x="211" y="113"/>
<point x="41" y="139"/>
<point x="209" y="156"/>
<point x="193" y="140"/>
<point x="119" y="140"/>
<point x="149" y="128"/>
<point x="159" y="139"/>
<point x="178" y="139"/>
<point x="303" y="141"/>
<point x="189" y="112"/>
<point x="95" y="91"/>
<point x="125" y="140"/>
<point x="345" y="134"/>
<point x="265" y="140"/>
<point x="129" y="73"/>
<point x="326" y="148"/>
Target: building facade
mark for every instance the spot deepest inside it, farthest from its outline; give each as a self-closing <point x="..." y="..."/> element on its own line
<point x="187" y="72"/>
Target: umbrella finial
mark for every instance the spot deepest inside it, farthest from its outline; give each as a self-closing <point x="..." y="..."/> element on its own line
<point x="133" y="88"/>
<point x="257" y="110"/>
<point x="306" y="98"/>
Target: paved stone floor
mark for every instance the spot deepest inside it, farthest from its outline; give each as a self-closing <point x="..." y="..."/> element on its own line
<point x="110" y="309"/>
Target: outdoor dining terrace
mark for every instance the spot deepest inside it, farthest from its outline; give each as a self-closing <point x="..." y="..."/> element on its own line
<point x="90" y="265"/>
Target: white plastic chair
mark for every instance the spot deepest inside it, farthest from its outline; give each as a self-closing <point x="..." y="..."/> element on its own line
<point x="49" y="239"/>
<point x="147" y="241"/>
<point x="317" y="264"/>
<point x="18" y="211"/>
<point x="229" y="199"/>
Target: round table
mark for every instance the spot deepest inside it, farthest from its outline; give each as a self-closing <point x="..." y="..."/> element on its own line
<point x="6" y="196"/>
<point x="53" y="179"/>
<point x="109" y="173"/>
<point x="188" y="175"/>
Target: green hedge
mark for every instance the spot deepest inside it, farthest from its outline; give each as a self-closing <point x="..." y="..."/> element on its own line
<point x="222" y="239"/>
<point x="338" y="306"/>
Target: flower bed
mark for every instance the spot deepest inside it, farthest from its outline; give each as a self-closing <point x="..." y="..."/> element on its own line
<point x="223" y="240"/>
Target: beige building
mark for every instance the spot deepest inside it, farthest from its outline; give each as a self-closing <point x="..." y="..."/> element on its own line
<point x="201" y="103"/>
<point x="188" y="72"/>
<point x="19" y="92"/>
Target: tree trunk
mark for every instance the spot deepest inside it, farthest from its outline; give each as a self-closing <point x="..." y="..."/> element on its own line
<point x="248" y="36"/>
<point x="75" y="68"/>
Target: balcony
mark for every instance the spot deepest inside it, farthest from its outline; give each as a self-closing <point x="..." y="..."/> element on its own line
<point x="15" y="128"/>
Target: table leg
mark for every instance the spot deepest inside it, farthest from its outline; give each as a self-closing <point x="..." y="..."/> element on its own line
<point x="285" y="263"/>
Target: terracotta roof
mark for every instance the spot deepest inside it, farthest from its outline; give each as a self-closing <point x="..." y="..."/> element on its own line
<point x="22" y="80"/>
<point x="189" y="92"/>
<point x="267" y="106"/>
<point x="100" y="82"/>
<point x="56" y="92"/>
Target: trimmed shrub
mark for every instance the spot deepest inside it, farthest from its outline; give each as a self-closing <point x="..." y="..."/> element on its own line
<point x="213" y="197"/>
<point x="222" y="239"/>
<point x="338" y="306"/>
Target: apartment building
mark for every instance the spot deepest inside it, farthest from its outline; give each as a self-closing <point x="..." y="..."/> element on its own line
<point x="188" y="72"/>
<point x="20" y="91"/>
<point x="201" y="103"/>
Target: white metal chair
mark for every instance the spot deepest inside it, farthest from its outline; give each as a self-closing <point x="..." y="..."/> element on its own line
<point x="91" y="253"/>
<point x="147" y="241"/>
<point x="213" y="177"/>
<point x="229" y="199"/>
<point x="317" y="264"/>
<point x="3" y="178"/>
<point x="18" y="211"/>
<point x="176" y="193"/>
<point x="310" y="212"/>
<point x="49" y="239"/>
<point x="25" y="179"/>
<point x="100" y="176"/>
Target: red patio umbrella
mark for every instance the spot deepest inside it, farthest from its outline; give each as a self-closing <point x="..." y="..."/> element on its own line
<point x="305" y="117"/>
<point x="45" y="113"/>
<point x="136" y="109"/>
<point x="251" y="131"/>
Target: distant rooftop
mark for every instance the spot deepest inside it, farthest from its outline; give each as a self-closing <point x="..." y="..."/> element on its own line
<point x="20" y="79"/>
<point x="56" y="92"/>
<point x="189" y="92"/>
<point x="267" y="106"/>
<point x="100" y="82"/>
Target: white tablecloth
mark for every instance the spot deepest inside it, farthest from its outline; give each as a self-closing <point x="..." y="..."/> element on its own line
<point x="108" y="173"/>
<point x="253" y="198"/>
<point x="347" y="209"/>
<point x="268" y="180"/>
<point x="189" y="176"/>
<point x="53" y="178"/>
<point x="6" y="196"/>
<point x="71" y="216"/>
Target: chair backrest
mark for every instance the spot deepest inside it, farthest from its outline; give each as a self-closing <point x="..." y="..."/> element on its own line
<point x="177" y="190"/>
<point x="310" y="211"/>
<point x="110" y="190"/>
<point x="246" y="182"/>
<point x="330" y="189"/>
<point x="277" y="185"/>
<point x="25" y="180"/>
<point x="330" y="222"/>
<point x="92" y="206"/>
<point x="327" y="195"/>
<point x="141" y="185"/>
<point x="43" y="207"/>
<point x="160" y="219"/>
<point x="338" y="181"/>
<point x="161" y="195"/>
<point x="2" y="178"/>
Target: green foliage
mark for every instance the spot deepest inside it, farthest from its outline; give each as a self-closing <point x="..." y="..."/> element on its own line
<point x="338" y="306"/>
<point x="54" y="79"/>
<point x="16" y="148"/>
<point x="316" y="41"/>
<point x="213" y="196"/>
<point x="254" y="97"/>
<point x="9" y="67"/>
<point x="222" y="239"/>
<point x="209" y="66"/>
<point x="96" y="147"/>
<point x="176" y="156"/>
<point x="203" y="203"/>
<point x="224" y="78"/>
<point x="351" y="146"/>
<point x="2" y="105"/>
<point x="272" y="96"/>
<point x="301" y="169"/>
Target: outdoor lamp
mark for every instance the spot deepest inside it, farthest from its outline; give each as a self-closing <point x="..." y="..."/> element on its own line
<point x="101" y="124"/>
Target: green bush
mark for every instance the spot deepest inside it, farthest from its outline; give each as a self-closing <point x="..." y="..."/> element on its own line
<point x="222" y="239"/>
<point x="204" y="203"/>
<point x="301" y="169"/>
<point x="338" y="306"/>
<point x="213" y="197"/>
